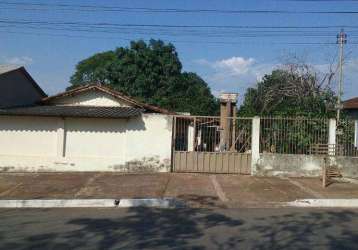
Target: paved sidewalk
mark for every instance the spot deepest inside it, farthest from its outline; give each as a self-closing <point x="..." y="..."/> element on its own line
<point x="198" y="190"/>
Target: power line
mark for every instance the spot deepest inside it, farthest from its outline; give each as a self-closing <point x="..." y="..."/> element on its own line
<point x="24" y="21"/>
<point x="74" y="7"/>
<point x="201" y="31"/>
<point x="177" y="33"/>
<point x="165" y="30"/>
<point x="173" y="41"/>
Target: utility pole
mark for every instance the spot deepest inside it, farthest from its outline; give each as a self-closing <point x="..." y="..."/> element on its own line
<point x="341" y="40"/>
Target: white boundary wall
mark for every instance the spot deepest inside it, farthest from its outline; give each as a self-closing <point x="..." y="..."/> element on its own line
<point x="300" y="165"/>
<point x="77" y="144"/>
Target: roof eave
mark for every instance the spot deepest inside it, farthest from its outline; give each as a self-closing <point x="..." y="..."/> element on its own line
<point x="85" y="112"/>
<point x="116" y="94"/>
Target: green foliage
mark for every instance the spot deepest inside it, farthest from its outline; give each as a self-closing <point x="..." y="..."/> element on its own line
<point x="296" y="94"/>
<point x="292" y="135"/>
<point x="152" y="73"/>
<point x="284" y="93"/>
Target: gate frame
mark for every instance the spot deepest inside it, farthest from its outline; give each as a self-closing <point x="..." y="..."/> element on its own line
<point x="255" y="129"/>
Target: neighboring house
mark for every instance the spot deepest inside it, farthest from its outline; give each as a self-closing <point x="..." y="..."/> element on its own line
<point x="17" y="87"/>
<point x="351" y="108"/>
<point x="89" y="128"/>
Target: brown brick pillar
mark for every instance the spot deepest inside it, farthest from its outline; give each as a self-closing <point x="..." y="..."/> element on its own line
<point x="227" y="110"/>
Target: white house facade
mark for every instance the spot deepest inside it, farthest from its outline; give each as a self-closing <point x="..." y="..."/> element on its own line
<point x="90" y="128"/>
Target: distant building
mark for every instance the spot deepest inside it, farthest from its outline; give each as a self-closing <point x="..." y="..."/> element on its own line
<point x="350" y="107"/>
<point x="17" y="87"/>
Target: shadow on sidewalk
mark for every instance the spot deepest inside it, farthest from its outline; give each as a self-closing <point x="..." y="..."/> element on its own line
<point x="203" y="201"/>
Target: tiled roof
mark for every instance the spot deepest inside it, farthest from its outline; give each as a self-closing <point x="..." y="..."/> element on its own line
<point x="351" y="103"/>
<point x="109" y="91"/>
<point x="73" y="111"/>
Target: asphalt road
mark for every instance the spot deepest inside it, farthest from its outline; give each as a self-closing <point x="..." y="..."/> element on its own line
<point x="143" y="228"/>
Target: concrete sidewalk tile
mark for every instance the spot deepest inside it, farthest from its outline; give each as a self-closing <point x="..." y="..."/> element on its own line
<point x="218" y="189"/>
<point x="49" y="185"/>
<point x="9" y="182"/>
<point x="119" y="185"/>
<point x="335" y="190"/>
<point x="85" y="189"/>
<point x="241" y="189"/>
<point x="304" y="188"/>
<point x="195" y="189"/>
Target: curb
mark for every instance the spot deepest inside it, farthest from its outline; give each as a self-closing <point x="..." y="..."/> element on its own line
<point x="92" y="203"/>
<point x="323" y="203"/>
<point x="350" y="180"/>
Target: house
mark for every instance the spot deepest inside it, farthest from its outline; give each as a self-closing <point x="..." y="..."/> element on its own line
<point x="350" y="107"/>
<point x="89" y="128"/>
<point x="17" y="87"/>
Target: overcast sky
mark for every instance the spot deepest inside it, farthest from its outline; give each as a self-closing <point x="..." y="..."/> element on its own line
<point x="38" y="34"/>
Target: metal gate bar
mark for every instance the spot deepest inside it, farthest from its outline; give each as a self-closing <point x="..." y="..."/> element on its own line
<point x="200" y="145"/>
<point x="211" y="162"/>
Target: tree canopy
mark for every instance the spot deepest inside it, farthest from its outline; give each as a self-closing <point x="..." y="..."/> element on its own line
<point x="150" y="72"/>
<point x="290" y="91"/>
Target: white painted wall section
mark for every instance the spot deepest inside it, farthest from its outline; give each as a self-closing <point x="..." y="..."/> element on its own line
<point x="255" y="144"/>
<point x="61" y="134"/>
<point x="332" y="135"/>
<point x="149" y="140"/>
<point x="332" y="131"/>
<point x="356" y="133"/>
<point x="191" y="137"/>
<point x="95" y="137"/>
<point x="28" y="136"/>
<point x="79" y="144"/>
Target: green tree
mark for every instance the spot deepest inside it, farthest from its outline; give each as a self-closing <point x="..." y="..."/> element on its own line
<point x="150" y="72"/>
<point x="295" y="91"/>
<point x="287" y="93"/>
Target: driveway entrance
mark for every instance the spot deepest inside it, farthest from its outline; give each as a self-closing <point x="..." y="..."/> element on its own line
<point x="210" y="144"/>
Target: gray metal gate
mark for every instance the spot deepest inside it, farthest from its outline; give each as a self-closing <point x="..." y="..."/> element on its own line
<point x="210" y="144"/>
